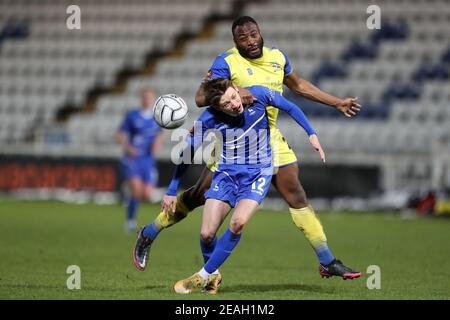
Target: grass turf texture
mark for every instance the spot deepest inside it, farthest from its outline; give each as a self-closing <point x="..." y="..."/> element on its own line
<point x="39" y="240"/>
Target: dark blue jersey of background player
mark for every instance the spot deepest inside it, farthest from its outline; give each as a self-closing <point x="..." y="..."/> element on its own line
<point x="141" y="130"/>
<point x="140" y="136"/>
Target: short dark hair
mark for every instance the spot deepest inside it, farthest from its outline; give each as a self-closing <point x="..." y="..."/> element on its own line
<point x="241" y="21"/>
<point x="215" y="89"/>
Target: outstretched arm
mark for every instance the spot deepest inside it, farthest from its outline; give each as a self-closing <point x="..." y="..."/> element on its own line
<point x="169" y="201"/>
<point x="349" y="107"/>
<point x="158" y="142"/>
<point x="278" y="101"/>
<point x="219" y="69"/>
<point x="121" y="137"/>
<point x="194" y="140"/>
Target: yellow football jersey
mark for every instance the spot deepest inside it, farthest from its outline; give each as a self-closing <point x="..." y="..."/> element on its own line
<point x="268" y="71"/>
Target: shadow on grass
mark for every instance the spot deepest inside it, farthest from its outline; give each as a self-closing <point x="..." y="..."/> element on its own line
<point x="84" y="288"/>
<point x="29" y="286"/>
<point x="275" y="287"/>
<point x="244" y="288"/>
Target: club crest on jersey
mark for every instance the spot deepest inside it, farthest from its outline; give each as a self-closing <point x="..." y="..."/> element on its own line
<point x="250" y="71"/>
<point x="276" y="66"/>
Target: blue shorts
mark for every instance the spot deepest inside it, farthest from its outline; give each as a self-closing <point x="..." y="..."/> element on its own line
<point x="143" y="167"/>
<point x="240" y="182"/>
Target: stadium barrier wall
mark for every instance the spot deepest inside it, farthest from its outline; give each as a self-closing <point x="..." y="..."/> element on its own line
<point x="104" y="175"/>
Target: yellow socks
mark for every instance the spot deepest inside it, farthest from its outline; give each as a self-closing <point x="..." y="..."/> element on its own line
<point x="166" y="220"/>
<point x="306" y="220"/>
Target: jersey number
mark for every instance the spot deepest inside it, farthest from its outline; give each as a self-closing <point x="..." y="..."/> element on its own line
<point x="262" y="182"/>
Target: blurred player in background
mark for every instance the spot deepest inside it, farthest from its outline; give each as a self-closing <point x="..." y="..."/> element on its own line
<point x="140" y="137"/>
<point x="250" y="63"/>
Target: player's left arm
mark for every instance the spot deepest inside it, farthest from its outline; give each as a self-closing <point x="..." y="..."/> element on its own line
<point x="158" y="142"/>
<point x="277" y="100"/>
<point x="349" y="107"/>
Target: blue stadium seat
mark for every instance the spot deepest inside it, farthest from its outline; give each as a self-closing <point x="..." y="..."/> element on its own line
<point x="391" y="31"/>
<point x="14" y="30"/>
<point x="432" y="72"/>
<point x="359" y="50"/>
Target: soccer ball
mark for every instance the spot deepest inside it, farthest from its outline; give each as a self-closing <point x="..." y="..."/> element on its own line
<point x="170" y="111"/>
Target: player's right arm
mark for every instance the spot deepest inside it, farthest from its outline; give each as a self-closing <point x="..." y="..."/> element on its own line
<point x="169" y="201"/>
<point x="121" y="137"/>
<point x="194" y="140"/>
<point x="220" y="69"/>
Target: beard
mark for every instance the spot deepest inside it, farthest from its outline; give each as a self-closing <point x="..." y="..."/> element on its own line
<point x="246" y="54"/>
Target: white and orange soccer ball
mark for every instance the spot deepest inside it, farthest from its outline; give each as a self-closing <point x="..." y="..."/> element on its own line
<point x="170" y="111"/>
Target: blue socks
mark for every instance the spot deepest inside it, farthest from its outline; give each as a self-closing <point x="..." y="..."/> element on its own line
<point x="152" y="230"/>
<point x="324" y="254"/>
<point x="223" y="249"/>
<point x="208" y="248"/>
<point x="133" y="205"/>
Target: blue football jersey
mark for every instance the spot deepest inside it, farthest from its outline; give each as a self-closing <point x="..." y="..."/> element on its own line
<point x="243" y="139"/>
<point x="141" y="131"/>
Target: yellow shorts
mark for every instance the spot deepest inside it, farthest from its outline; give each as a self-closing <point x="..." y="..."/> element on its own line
<point x="282" y="154"/>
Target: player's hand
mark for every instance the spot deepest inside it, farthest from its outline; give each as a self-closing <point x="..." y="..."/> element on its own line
<point x="169" y="204"/>
<point x="246" y="96"/>
<point x="131" y="151"/>
<point x="314" y="140"/>
<point x="349" y="107"/>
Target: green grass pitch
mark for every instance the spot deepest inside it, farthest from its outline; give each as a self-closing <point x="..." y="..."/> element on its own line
<point x="39" y="240"/>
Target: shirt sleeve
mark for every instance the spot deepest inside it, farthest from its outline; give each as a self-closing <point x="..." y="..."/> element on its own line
<point x="125" y="126"/>
<point x="278" y="101"/>
<point x="219" y="69"/>
<point x="287" y="66"/>
<point x="194" y="141"/>
<point x="180" y="170"/>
